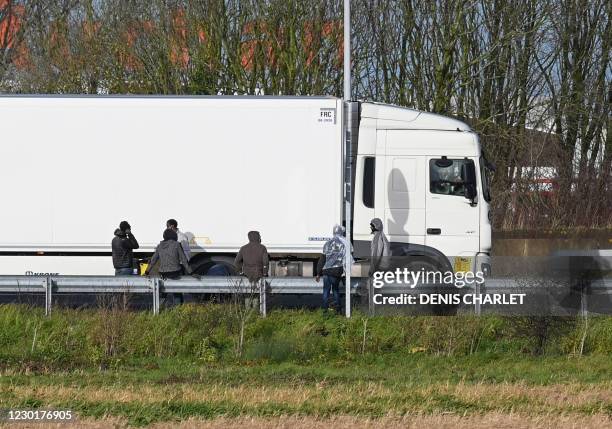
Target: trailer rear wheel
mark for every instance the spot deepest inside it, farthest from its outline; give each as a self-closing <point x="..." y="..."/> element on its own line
<point x="205" y="265"/>
<point x="213" y="266"/>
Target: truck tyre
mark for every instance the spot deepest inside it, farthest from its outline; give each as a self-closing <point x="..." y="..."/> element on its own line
<point x="213" y="265"/>
<point x="427" y="265"/>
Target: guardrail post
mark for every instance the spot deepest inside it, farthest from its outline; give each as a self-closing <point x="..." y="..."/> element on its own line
<point x="48" y="285"/>
<point x="155" y="288"/>
<point x="477" y="291"/>
<point x="370" y="287"/>
<point x="262" y="297"/>
<point x="584" y="307"/>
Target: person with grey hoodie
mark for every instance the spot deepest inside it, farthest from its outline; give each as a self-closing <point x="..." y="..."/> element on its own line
<point x="171" y="257"/>
<point x="380" y="250"/>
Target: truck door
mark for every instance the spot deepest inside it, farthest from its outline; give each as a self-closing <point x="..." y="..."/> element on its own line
<point x="452" y="221"/>
<point x="404" y="217"/>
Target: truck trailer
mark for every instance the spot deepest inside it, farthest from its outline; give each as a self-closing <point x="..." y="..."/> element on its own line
<point x="73" y="167"/>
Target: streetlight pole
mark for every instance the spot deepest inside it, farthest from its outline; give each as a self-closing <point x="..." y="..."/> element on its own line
<point x="347" y="153"/>
<point x="347" y="50"/>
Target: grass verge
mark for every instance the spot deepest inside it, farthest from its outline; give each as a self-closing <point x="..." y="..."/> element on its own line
<point x="305" y="366"/>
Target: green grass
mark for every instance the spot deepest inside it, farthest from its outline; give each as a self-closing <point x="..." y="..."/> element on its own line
<point x="184" y="363"/>
<point x="208" y="334"/>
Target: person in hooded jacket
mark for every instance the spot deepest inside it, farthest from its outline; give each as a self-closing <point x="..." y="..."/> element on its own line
<point x="380" y="250"/>
<point x="122" y="246"/>
<point x="171" y="257"/>
<point x="331" y="266"/>
<point x="252" y="259"/>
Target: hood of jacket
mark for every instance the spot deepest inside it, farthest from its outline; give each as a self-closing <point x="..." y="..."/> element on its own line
<point x="165" y="244"/>
<point x="254" y="237"/>
<point x="377" y="223"/>
<point x="120" y="233"/>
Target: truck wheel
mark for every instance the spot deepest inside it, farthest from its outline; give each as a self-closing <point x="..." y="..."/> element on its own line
<point x="213" y="266"/>
<point x="423" y="264"/>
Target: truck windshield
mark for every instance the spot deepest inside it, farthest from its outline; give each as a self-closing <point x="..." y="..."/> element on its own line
<point x="486" y="169"/>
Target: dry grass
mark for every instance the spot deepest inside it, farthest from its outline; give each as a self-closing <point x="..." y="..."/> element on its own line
<point x="496" y="420"/>
<point x="442" y="421"/>
<point x="516" y="397"/>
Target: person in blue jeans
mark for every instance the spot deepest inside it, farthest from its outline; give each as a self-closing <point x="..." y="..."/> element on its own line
<point x="331" y="266"/>
<point x="331" y="284"/>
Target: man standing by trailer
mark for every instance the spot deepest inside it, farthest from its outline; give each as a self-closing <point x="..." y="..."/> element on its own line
<point x="380" y="250"/>
<point x="182" y="238"/>
<point x="123" y="245"/>
<point x="252" y="260"/>
<point x="331" y="266"/>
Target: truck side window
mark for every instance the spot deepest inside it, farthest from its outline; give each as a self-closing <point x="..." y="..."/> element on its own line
<point x="369" y="169"/>
<point x="446" y="180"/>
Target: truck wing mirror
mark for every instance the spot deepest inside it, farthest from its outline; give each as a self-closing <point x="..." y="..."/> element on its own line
<point x="468" y="175"/>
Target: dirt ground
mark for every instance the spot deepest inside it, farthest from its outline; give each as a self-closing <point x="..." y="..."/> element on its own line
<point x="443" y="421"/>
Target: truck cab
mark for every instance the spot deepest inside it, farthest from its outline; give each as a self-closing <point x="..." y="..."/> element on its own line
<point x="410" y="171"/>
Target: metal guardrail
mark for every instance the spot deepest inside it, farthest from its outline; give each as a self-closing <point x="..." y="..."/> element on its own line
<point x="499" y="285"/>
<point x="153" y="285"/>
<point x="225" y="285"/>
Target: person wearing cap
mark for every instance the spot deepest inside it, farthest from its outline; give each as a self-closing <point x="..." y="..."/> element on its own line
<point x="122" y="246"/>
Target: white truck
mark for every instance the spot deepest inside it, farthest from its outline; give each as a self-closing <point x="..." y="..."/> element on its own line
<point x="73" y="167"/>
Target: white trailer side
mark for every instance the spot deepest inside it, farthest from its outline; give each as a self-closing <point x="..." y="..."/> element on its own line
<point x="73" y="167"/>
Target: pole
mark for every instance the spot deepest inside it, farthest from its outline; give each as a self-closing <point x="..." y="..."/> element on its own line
<point x="48" y="285"/>
<point x="263" y="304"/>
<point x="347" y="50"/>
<point x="155" y="289"/>
<point x="347" y="153"/>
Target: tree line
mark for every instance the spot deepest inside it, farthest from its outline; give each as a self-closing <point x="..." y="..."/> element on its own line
<point x="532" y="77"/>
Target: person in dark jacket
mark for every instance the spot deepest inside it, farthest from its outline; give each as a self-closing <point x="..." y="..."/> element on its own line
<point x="171" y="257"/>
<point x="252" y="260"/>
<point x="380" y="250"/>
<point x="331" y="266"/>
<point x="123" y="245"/>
